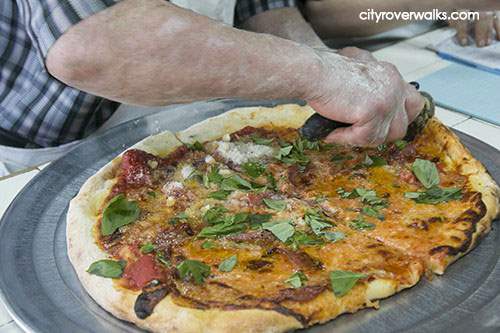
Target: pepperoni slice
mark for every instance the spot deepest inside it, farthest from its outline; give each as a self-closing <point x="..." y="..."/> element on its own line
<point x="142" y="271"/>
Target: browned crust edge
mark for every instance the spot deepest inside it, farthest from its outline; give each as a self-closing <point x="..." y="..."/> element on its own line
<point x="486" y="207"/>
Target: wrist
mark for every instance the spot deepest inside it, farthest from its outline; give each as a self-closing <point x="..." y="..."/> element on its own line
<point x="310" y="74"/>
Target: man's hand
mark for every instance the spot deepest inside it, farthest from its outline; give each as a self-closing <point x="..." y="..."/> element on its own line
<point x="481" y="30"/>
<point x="359" y="90"/>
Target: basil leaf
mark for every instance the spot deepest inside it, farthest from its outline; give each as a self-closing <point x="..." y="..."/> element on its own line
<point x="284" y="151"/>
<point x="282" y="230"/>
<point x="147" y="248"/>
<point x="228" y="264"/>
<point x="213" y="176"/>
<point x="316" y="221"/>
<point x="219" y="195"/>
<point x="338" y="158"/>
<point x="235" y="183"/>
<point x="179" y="217"/>
<point x="373" y="212"/>
<point x="345" y="194"/>
<point x="426" y="172"/>
<point x="261" y="141"/>
<point x="221" y="229"/>
<point x="300" y="238"/>
<point x="382" y="147"/>
<point x="271" y="182"/>
<point x="333" y="236"/>
<point x="374" y="161"/>
<point x="214" y="215"/>
<point x="107" y="268"/>
<point x="161" y="258"/>
<point x="400" y="144"/>
<point x="207" y="245"/>
<point x="369" y="197"/>
<point x="193" y="269"/>
<point x="360" y="223"/>
<point x="195" y="146"/>
<point x="256" y="220"/>
<point x="278" y="205"/>
<point x="118" y="212"/>
<point x="343" y="281"/>
<point x="253" y="169"/>
<point x="296" y="280"/>
<point x="435" y="195"/>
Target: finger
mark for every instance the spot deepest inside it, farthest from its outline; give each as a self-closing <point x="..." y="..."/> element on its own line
<point x="414" y="103"/>
<point x="363" y="136"/>
<point x="497" y="24"/>
<point x="483" y="29"/>
<point x="398" y="128"/>
<point x="462" y="28"/>
<point x="356" y="53"/>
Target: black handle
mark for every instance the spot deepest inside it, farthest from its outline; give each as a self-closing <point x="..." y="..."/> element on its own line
<point x="318" y="127"/>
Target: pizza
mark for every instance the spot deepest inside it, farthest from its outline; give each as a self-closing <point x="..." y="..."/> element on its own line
<point x="239" y="223"/>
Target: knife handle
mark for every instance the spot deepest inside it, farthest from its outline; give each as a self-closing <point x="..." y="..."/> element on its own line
<point x="318" y="127"/>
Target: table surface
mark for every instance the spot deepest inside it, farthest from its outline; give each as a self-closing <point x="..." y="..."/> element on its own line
<point x="413" y="61"/>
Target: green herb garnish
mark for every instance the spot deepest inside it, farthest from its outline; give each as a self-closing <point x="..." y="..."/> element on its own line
<point x="333" y="236"/>
<point x="316" y="221"/>
<point x="435" y="195"/>
<point x="107" y="268"/>
<point x="343" y="281"/>
<point x="360" y="223"/>
<point x="277" y="205"/>
<point x="400" y="144"/>
<point x="118" y="212"/>
<point x="179" y="217"/>
<point x="147" y="248"/>
<point x="282" y="230"/>
<point x="193" y="269"/>
<point x="373" y="212"/>
<point x="228" y="264"/>
<point x="296" y="280"/>
<point x="426" y="172"/>
<point x="219" y="195"/>
<point x="254" y="169"/>
<point x="261" y="141"/>
<point x="195" y="146"/>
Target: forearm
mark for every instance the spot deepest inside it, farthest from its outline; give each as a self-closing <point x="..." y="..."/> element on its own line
<point x="285" y="23"/>
<point x="154" y="53"/>
<point x="340" y="18"/>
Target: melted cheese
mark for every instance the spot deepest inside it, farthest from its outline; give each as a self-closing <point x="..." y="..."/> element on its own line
<point x="240" y="152"/>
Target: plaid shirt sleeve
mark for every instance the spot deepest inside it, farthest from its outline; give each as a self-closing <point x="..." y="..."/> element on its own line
<point x="248" y="8"/>
<point x="47" y="20"/>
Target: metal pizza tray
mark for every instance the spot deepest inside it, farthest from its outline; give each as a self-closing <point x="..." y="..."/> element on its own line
<point x="43" y="294"/>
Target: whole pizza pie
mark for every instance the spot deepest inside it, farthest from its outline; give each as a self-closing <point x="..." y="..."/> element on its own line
<point x="240" y="224"/>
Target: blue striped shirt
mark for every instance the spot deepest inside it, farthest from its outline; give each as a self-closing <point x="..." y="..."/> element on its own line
<point x="36" y="108"/>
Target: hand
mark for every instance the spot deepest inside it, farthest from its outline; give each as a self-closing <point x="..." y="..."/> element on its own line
<point x="481" y="30"/>
<point x="357" y="89"/>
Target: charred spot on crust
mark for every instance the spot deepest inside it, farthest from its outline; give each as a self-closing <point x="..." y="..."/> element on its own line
<point x="298" y="258"/>
<point x="259" y="265"/>
<point x="471" y="216"/>
<point x="423" y="224"/>
<point x="151" y="295"/>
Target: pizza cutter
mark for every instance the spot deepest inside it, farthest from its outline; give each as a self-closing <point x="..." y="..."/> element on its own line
<point x="318" y="127"/>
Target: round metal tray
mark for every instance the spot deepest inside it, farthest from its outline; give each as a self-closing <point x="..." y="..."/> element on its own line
<point x="43" y="294"/>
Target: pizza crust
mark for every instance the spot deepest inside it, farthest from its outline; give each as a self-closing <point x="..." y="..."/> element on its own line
<point x="167" y="316"/>
<point x="478" y="179"/>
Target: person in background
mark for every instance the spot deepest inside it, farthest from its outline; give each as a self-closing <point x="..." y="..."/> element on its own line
<point x="340" y="18"/>
<point x="66" y="65"/>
